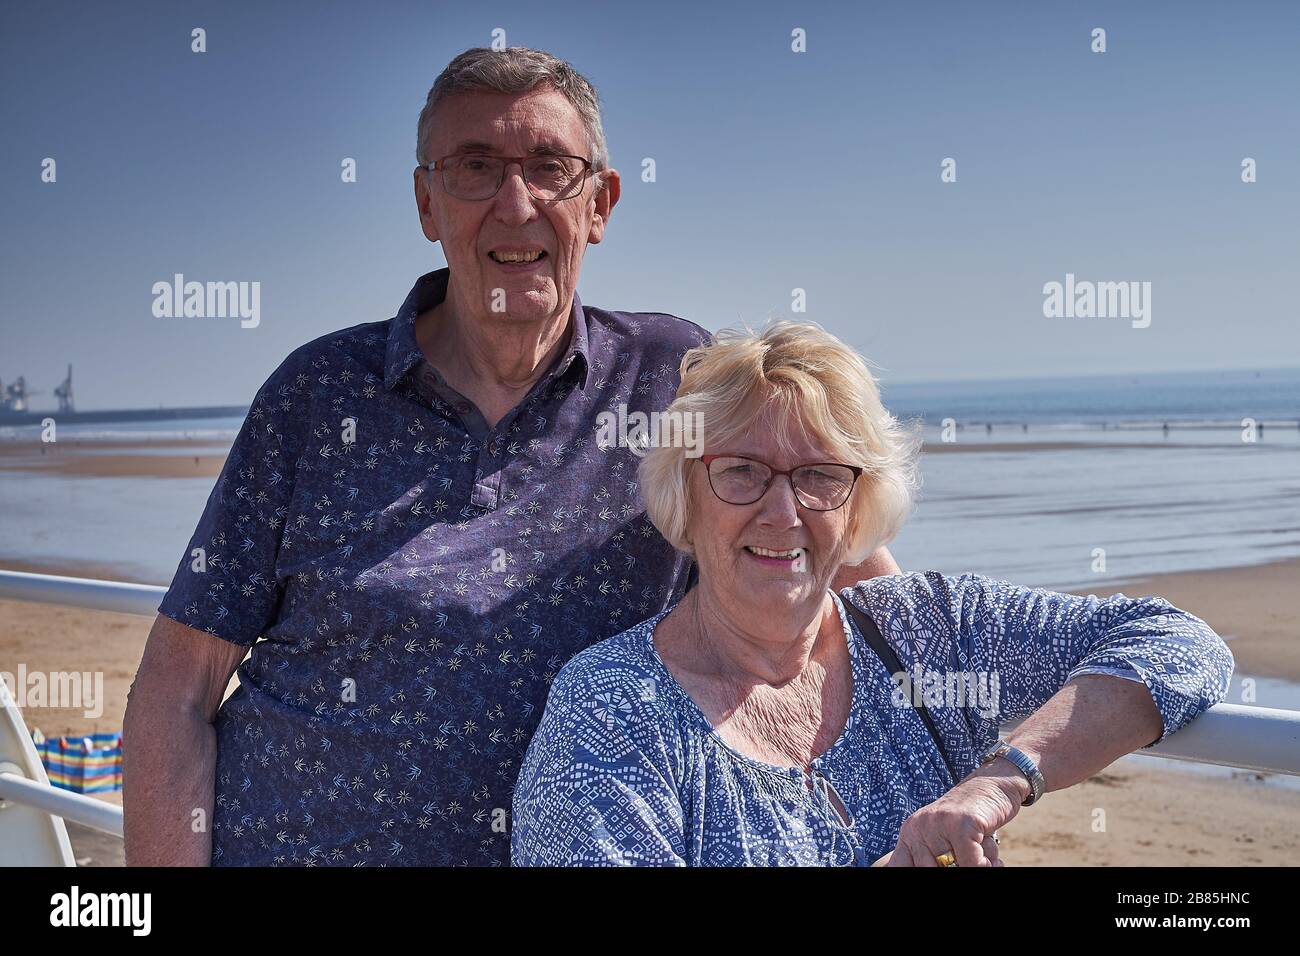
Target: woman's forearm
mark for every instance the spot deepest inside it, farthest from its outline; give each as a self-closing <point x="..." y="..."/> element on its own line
<point x="1087" y="725"/>
<point x="169" y="772"/>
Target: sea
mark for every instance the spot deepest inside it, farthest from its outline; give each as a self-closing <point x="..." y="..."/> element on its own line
<point x="1065" y="483"/>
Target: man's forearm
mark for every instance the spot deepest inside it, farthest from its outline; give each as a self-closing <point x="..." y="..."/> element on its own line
<point x="1086" y="726"/>
<point x="169" y="774"/>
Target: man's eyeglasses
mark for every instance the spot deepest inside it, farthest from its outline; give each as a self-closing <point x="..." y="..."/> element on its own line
<point x="818" y="486"/>
<point x="551" y="177"/>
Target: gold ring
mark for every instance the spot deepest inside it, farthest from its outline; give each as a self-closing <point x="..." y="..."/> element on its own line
<point x="946" y="859"/>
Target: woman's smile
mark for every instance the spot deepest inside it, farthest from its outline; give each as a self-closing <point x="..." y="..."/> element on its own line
<point x="788" y="559"/>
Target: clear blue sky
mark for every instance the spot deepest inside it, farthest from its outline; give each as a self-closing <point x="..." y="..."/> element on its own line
<point x="225" y="166"/>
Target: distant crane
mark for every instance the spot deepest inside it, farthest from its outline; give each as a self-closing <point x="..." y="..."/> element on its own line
<point x="64" y="393"/>
<point x="14" y="397"/>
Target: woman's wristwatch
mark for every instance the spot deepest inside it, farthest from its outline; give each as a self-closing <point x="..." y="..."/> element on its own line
<point x="1026" y="766"/>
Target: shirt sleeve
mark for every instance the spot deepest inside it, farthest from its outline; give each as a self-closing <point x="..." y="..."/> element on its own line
<point x="1036" y="640"/>
<point x="596" y="787"/>
<point x="226" y="583"/>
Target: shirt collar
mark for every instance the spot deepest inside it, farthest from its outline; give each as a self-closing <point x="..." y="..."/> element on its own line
<point x="404" y="353"/>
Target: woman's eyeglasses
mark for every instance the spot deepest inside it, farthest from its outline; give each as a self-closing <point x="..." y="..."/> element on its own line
<point x="818" y="486"/>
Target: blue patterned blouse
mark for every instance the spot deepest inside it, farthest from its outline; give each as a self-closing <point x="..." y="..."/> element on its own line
<point x="626" y="770"/>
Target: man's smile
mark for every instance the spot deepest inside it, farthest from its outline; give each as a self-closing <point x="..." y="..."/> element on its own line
<point x="518" y="258"/>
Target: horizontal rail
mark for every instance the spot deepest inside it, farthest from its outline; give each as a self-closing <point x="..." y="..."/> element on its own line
<point x="82" y="592"/>
<point x="1229" y="735"/>
<point x="76" y="807"/>
<point x="1264" y="739"/>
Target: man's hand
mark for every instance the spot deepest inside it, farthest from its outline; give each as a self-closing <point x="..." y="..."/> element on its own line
<point x="878" y="563"/>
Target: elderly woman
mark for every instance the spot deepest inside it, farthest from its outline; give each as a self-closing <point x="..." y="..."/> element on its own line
<point x="756" y="721"/>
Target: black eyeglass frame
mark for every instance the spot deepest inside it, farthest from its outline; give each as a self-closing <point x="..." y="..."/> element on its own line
<point x="440" y="165"/>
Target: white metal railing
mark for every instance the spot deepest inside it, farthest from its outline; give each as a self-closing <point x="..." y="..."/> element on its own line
<point x="18" y="787"/>
<point x="77" y="807"/>
<point x="82" y="592"/>
<point x="1251" y="738"/>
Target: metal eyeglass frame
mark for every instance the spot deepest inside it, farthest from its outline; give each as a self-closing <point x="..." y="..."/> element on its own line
<point x="439" y="165"/>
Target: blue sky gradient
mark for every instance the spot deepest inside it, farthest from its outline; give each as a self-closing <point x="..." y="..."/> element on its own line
<point x="775" y="170"/>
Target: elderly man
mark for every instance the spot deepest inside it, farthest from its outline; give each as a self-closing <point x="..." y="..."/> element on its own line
<point x="419" y="523"/>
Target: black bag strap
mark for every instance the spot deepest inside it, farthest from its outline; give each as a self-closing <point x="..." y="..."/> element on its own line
<point x="873" y="637"/>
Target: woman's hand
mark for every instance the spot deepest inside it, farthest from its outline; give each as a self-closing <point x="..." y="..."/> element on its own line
<point x="963" y="821"/>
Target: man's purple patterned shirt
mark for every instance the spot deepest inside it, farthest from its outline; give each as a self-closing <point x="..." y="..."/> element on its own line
<point x="415" y="589"/>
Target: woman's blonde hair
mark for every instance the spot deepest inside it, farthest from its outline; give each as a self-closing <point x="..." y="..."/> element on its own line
<point x="822" y="392"/>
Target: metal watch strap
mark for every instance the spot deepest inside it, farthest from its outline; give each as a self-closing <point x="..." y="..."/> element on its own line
<point x="1024" y="764"/>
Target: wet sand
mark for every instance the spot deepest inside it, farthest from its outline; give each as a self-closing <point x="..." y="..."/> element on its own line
<point x="118" y="458"/>
<point x="970" y="445"/>
<point x="114" y="458"/>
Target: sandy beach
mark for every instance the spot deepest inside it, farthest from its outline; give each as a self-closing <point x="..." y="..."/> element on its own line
<point x="1152" y="816"/>
<point x="117" y="458"/>
<point x="140" y="457"/>
<point x="113" y="459"/>
<point x="979" y="444"/>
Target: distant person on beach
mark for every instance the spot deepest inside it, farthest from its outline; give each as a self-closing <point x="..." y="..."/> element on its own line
<point x="419" y="522"/>
<point x="759" y="720"/>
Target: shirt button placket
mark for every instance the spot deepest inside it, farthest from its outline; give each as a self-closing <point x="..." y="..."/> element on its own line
<point x="487" y="475"/>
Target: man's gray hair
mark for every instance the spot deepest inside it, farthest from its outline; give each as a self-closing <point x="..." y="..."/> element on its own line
<point x="515" y="69"/>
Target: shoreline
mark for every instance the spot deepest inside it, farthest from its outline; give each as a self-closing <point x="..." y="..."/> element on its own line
<point x="114" y="458"/>
<point x="196" y="457"/>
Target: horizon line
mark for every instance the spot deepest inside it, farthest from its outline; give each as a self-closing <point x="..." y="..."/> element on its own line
<point x="972" y="380"/>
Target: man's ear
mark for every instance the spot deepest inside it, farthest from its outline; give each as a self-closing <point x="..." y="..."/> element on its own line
<point x="423" y="204"/>
<point x="605" y="201"/>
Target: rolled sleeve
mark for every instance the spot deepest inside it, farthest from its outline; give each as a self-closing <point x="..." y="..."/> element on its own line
<point x="1038" y="640"/>
<point x="226" y="583"/>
